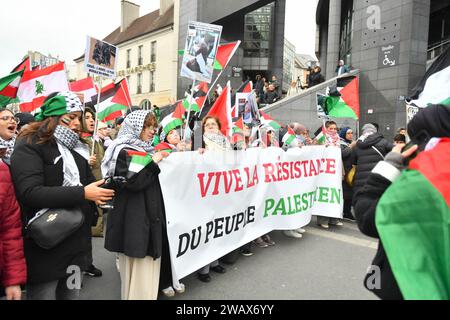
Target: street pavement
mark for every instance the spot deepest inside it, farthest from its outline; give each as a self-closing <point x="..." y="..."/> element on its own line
<point x="323" y="265"/>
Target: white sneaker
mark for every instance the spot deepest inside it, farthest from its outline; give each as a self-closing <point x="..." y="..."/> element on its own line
<point x="181" y="289"/>
<point x="300" y="230"/>
<point x="292" y="234"/>
<point x="324" y="226"/>
<point x="169" y="292"/>
<point x="339" y="224"/>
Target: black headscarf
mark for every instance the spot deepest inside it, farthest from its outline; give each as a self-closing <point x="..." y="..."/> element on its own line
<point x="435" y="119"/>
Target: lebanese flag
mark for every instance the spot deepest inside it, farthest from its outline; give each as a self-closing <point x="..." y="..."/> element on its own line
<point x="37" y="85"/>
<point x="222" y="110"/>
<point x="224" y="54"/>
<point x="86" y="87"/>
<point x="9" y="86"/>
<point x="413" y="219"/>
<point x="114" y="100"/>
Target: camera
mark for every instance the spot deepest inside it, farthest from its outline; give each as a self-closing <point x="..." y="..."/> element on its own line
<point x="112" y="183"/>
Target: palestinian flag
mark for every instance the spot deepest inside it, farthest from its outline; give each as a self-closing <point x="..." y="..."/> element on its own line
<point x="414" y="227"/>
<point x="238" y="131"/>
<point x="342" y="102"/>
<point x="246" y="87"/>
<point x="114" y="100"/>
<point x="195" y="104"/>
<point x="9" y="86"/>
<point x="201" y="90"/>
<point x="36" y="85"/>
<point x="174" y="120"/>
<point x="266" y="119"/>
<point x="164" y="146"/>
<point x="137" y="161"/>
<point x="434" y="88"/>
<point x="85" y="87"/>
<point x="224" y="54"/>
<point x="24" y="65"/>
<point x="222" y="110"/>
<point x="321" y="138"/>
<point x="289" y="138"/>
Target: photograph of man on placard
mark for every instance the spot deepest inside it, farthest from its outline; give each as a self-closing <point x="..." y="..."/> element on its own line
<point x="200" y="52"/>
<point x="102" y="53"/>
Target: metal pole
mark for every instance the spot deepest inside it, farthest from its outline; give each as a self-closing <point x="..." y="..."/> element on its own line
<point x="209" y="91"/>
<point x="189" y="110"/>
<point x="96" y="117"/>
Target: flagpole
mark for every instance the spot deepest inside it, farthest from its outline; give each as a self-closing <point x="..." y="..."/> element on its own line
<point x="189" y="111"/>
<point x="96" y="116"/>
<point x="125" y="94"/>
<point x="209" y="91"/>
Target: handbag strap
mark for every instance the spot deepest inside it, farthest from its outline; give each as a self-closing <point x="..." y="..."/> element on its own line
<point x="378" y="151"/>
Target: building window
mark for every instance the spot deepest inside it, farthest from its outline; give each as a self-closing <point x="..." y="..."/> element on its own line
<point x="128" y="81"/>
<point x="345" y="49"/>
<point x="258" y="33"/>
<point x="153" y="52"/>
<point x="140" y="57"/>
<point x="139" y="83"/>
<point x="152" y="81"/>
<point x="146" y="105"/>
<point x="129" y="58"/>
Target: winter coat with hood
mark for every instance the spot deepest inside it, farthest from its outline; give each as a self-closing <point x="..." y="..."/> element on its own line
<point x="365" y="157"/>
<point x="13" y="269"/>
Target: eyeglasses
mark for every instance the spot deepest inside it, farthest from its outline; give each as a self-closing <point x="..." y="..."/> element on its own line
<point x="9" y="118"/>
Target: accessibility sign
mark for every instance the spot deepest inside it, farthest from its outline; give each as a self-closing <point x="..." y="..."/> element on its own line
<point x="389" y="55"/>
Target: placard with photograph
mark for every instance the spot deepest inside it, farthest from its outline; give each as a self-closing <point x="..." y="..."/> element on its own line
<point x="101" y="58"/>
<point x="200" y="51"/>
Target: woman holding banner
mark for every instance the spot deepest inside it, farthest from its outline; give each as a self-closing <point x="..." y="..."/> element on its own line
<point x="136" y="227"/>
<point x="213" y="140"/>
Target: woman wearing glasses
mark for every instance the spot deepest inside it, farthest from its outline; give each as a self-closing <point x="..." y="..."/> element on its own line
<point x="8" y="131"/>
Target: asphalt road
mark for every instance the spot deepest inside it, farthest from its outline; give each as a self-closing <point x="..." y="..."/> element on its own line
<point x="323" y="265"/>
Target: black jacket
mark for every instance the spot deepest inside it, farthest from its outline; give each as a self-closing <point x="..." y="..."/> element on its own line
<point x="365" y="202"/>
<point x="38" y="183"/>
<point x="315" y="79"/>
<point x="271" y="97"/>
<point x="347" y="161"/>
<point x="366" y="158"/>
<point x="136" y="226"/>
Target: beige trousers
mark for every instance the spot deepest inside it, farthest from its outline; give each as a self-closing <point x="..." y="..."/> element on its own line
<point x="139" y="277"/>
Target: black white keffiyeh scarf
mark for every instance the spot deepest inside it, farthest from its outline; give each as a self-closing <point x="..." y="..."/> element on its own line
<point x="129" y="137"/>
<point x="9" y="144"/>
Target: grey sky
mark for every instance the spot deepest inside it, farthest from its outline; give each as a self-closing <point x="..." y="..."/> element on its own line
<point x="60" y="27"/>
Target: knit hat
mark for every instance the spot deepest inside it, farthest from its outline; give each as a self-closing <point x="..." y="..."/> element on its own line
<point x="61" y="104"/>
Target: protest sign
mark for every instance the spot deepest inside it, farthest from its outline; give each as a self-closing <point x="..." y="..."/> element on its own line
<point x="101" y="58"/>
<point x="200" y="52"/>
<point x="219" y="201"/>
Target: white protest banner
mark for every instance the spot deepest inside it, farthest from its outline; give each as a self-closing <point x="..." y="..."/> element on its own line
<point x="217" y="202"/>
<point x="101" y="58"/>
<point x="200" y="51"/>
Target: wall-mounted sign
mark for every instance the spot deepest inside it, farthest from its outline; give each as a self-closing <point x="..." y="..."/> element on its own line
<point x="389" y="55"/>
<point x="138" y="69"/>
<point x="236" y="72"/>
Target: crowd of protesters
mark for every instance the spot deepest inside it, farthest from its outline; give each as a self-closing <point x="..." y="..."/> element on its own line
<point x="57" y="160"/>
